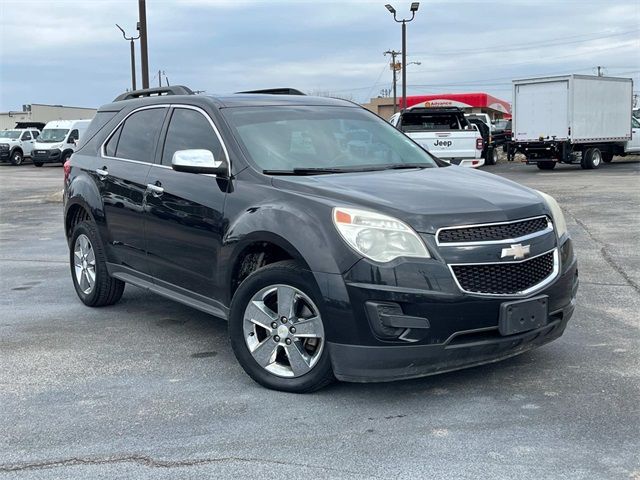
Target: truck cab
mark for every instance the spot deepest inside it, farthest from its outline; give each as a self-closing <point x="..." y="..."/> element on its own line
<point x="58" y="141"/>
<point x="445" y="132"/>
<point x="17" y="144"/>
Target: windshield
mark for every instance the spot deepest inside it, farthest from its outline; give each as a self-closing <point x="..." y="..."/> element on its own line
<point x="13" y="134"/>
<point x="291" y="138"/>
<point x="53" y="135"/>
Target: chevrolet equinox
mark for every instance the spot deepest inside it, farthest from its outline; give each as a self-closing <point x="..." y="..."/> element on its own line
<point x="332" y="243"/>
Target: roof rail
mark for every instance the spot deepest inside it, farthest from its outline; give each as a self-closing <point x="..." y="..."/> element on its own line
<point x="151" y="92"/>
<point x="276" y="91"/>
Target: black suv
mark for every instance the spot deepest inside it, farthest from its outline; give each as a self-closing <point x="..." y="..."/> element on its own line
<point x="334" y="245"/>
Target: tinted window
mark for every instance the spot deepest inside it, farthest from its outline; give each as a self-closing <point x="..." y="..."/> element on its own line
<point x="35" y="134"/>
<point x="189" y="129"/>
<point x="430" y="121"/>
<point x="99" y="121"/>
<point x="26" y="136"/>
<point x="112" y="144"/>
<point x="139" y="135"/>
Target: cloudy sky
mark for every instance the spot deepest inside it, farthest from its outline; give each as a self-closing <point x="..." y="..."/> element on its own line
<point x="70" y="52"/>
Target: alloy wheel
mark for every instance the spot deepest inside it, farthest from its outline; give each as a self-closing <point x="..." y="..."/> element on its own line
<point x="283" y="331"/>
<point x="84" y="262"/>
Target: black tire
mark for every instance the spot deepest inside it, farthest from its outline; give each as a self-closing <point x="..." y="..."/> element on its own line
<point x="607" y="157"/>
<point x="17" y="157"/>
<point x="546" y="165"/>
<point x="66" y="157"/>
<point x="37" y="164"/>
<point x="106" y="290"/>
<point x="492" y="156"/>
<point x="289" y="273"/>
<point x="591" y="159"/>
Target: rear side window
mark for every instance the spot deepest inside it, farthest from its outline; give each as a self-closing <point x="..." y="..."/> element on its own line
<point x="138" y="135"/>
<point x="189" y="129"/>
<point x="35" y="133"/>
<point x="26" y="136"/>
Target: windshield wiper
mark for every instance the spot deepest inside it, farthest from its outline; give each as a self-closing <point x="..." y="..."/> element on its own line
<point x="400" y="166"/>
<point x="314" y="171"/>
<point x="327" y="170"/>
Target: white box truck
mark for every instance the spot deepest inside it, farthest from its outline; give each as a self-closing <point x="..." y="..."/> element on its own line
<point x="573" y="119"/>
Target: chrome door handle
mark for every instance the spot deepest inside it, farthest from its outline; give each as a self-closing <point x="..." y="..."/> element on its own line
<point x="155" y="190"/>
<point x="102" y="173"/>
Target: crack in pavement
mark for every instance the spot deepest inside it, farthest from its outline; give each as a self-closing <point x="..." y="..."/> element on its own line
<point x="605" y="253"/>
<point x="151" y="462"/>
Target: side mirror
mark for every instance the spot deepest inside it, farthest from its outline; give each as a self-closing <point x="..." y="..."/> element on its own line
<point x="198" y="161"/>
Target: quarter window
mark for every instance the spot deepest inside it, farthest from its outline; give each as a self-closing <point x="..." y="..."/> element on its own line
<point x="136" y="138"/>
<point x="188" y="130"/>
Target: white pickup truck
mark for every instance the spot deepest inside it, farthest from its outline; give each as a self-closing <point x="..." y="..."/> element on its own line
<point x="445" y="132"/>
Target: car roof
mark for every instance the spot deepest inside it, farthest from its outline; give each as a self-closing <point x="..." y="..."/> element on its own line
<point x="227" y="101"/>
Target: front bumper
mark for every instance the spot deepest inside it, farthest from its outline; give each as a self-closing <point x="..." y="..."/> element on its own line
<point x="462" y="329"/>
<point x="47" y="156"/>
<point x="357" y="363"/>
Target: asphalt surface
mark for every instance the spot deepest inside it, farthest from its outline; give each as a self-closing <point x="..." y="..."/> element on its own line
<point x="151" y="389"/>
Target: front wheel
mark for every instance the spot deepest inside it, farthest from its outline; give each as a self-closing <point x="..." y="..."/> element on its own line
<point x="37" y="164"/>
<point x="277" y="331"/>
<point x="16" y="158"/>
<point x="88" y="264"/>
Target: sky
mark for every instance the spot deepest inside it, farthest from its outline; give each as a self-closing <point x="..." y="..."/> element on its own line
<point x="71" y="53"/>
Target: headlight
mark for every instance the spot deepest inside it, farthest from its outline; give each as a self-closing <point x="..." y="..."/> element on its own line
<point x="378" y="237"/>
<point x="556" y="212"/>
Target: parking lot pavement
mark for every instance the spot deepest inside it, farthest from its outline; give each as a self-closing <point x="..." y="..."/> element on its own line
<point x="150" y="389"/>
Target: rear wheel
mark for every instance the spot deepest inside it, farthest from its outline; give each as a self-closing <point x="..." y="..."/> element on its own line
<point x="16" y="158"/>
<point x="492" y="156"/>
<point x="546" y="165"/>
<point x="607" y="157"/>
<point x="91" y="280"/>
<point x="591" y="158"/>
<point x="277" y="331"/>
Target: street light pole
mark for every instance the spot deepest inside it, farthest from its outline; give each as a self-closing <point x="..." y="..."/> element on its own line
<point x="133" y="56"/>
<point x="404" y="21"/>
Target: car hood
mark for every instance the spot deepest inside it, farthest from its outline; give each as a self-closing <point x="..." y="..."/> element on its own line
<point x="426" y="199"/>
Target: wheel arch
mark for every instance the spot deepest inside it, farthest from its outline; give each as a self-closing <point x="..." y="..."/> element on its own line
<point x="255" y="251"/>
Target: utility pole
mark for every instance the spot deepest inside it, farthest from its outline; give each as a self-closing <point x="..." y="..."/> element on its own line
<point x="144" y="54"/>
<point x="394" y="68"/>
<point x="133" y="57"/>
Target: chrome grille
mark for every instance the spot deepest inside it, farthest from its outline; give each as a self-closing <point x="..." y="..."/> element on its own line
<point x="507" y="278"/>
<point x="494" y="232"/>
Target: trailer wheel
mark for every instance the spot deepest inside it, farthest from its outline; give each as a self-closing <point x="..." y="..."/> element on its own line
<point x="591" y="158"/>
<point x="546" y="165"/>
<point x="607" y="157"/>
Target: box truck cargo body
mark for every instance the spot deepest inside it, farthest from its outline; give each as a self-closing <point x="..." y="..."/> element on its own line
<point x="572" y="118"/>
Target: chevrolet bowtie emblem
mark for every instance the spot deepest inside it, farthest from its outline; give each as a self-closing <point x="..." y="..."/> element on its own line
<point x="518" y="251"/>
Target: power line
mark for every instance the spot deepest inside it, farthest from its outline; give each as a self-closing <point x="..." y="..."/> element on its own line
<point x="529" y="45"/>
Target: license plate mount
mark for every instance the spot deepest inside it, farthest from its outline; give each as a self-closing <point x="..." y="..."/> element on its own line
<point x="523" y="315"/>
